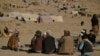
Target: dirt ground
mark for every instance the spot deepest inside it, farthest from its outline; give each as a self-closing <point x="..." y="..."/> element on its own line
<point x="27" y="30"/>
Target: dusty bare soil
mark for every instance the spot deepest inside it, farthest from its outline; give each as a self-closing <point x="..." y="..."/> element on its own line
<point x="28" y="29"/>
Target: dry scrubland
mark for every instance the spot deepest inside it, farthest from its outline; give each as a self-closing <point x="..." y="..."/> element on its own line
<point x="28" y="29"/>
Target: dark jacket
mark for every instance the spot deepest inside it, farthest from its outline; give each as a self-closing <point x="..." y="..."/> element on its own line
<point x="85" y="46"/>
<point x="92" y="38"/>
<point x="48" y="45"/>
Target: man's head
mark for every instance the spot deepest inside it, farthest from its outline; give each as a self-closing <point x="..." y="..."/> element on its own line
<point x="91" y="32"/>
<point x="66" y="32"/>
<point x="38" y="33"/>
<point x="84" y="36"/>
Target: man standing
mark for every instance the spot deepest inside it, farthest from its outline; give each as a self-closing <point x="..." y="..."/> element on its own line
<point x="95" y="24"/>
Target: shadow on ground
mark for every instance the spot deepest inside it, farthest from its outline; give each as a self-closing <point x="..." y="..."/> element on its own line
<point x="4" y="48"/>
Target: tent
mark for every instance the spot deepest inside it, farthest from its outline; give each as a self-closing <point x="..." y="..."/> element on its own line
<point x="34" y="17"/>
<point x="58" y="18"/>
<point x="51" y="19"/>
<point x="45" y="19"/>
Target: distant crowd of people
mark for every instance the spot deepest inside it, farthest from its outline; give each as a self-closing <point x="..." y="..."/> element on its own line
<point x="45" y="42"/>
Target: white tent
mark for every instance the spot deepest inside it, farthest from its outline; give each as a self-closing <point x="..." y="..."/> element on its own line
<point x="46" y="19"/>
<point x="57" y="18"/>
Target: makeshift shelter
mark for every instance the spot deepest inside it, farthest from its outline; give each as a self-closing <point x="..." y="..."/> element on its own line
<point x="34" y="17"/>
<point x="58" y="18"/>
<point x="45" y="17"/>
